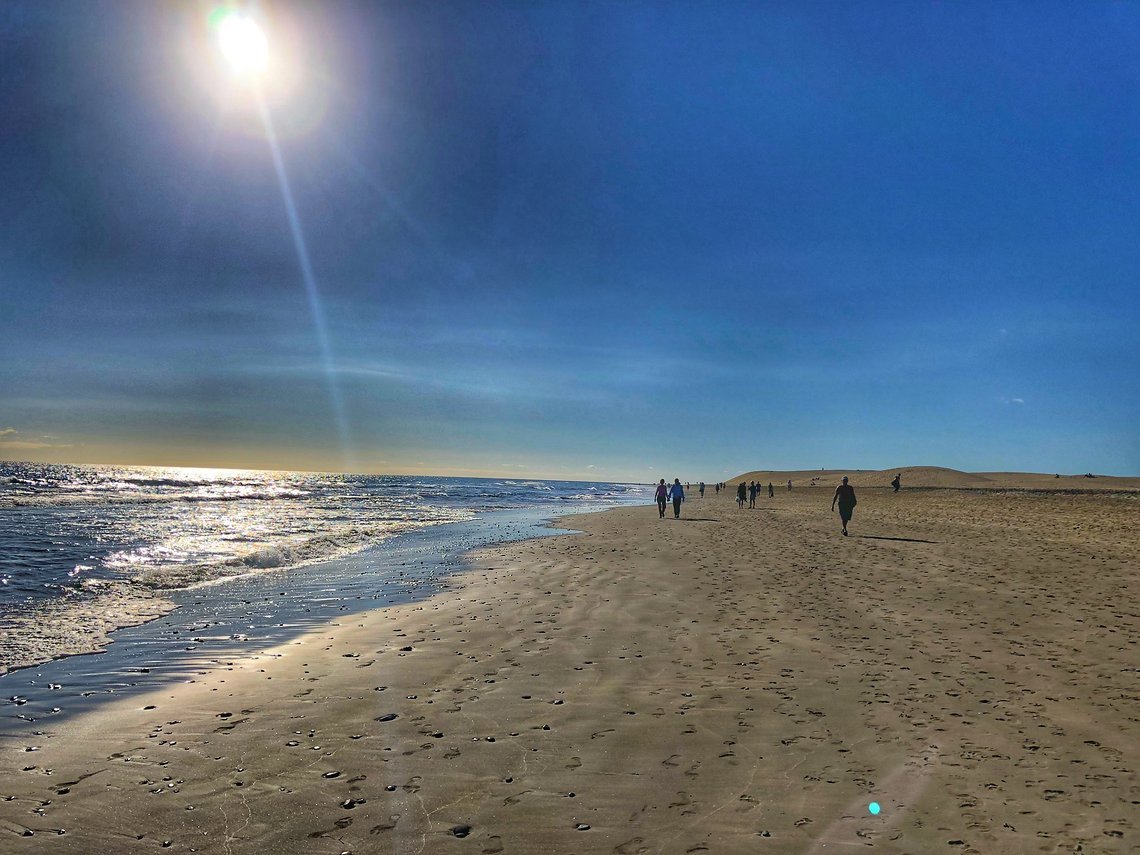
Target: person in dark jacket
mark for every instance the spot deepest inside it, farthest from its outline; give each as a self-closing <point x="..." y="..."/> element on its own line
<point x="845" y="496"/>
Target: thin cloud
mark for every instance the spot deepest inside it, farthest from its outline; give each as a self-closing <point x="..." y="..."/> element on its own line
<point x="8" y="440"/>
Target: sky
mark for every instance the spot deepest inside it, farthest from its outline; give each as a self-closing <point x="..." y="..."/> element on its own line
<point x="590" y="240"/>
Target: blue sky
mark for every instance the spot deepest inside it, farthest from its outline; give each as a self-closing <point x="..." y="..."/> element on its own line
<point x="614" y="240"/>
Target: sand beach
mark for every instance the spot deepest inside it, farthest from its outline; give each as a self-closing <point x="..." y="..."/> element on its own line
<point x="736" y="681"/>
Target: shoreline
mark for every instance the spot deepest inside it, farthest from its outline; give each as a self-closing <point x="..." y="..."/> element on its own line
<point x="738" y="681"/>
<point x="102" y="549"/>
<point x="238" y="613"/>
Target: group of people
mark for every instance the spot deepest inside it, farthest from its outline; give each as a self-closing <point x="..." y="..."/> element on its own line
<point x="844" y="497"/>
<point x="750" y="492"/>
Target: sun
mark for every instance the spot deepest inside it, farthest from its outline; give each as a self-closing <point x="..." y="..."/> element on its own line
<point x="243" y="44"/>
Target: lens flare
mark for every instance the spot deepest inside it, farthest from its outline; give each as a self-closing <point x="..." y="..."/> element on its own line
<point x="243" y="44"/>
<point x="340" y="416"/>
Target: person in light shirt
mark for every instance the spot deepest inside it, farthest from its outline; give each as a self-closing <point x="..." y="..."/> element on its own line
<point x="677" y="494"/>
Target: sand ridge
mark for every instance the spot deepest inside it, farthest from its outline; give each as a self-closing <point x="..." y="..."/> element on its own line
<point x="736" y="681"/>
<point x="939" y="477"/>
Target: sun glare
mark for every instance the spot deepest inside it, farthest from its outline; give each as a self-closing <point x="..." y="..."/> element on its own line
<point x="243" y="44"/>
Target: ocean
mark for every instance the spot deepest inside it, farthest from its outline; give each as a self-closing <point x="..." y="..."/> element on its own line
<point x="85" y="550"/>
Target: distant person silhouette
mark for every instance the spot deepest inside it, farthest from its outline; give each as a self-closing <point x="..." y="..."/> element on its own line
<point x="662" y="497"/>
<point x="677" y="494"/>
<point x="752" y="490"/>
<point x="741" y="492"/>
<point x="845" y="495"/>
<point x="701" y="487"/>
<point x="789" y="484"/>
<point x="897" y="482"/>
<point x="771" y="490"/>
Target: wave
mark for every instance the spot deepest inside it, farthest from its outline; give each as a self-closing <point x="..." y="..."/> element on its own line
<point x="47" y="500"/>
<point x="277" y="556"/>
<point x="73" y="625"/>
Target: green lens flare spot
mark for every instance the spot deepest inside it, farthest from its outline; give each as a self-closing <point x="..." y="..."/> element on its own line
<point x="219" y="15"/>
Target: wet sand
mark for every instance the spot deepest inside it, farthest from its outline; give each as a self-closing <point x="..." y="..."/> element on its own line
<point x="72" y="627"/>
<point x="736" y="681"/>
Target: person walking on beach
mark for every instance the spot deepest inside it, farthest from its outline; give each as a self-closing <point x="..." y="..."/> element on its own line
<point x="771" y="490"/>
<point x="845" y="495"/>
<point x="789" y="485"/>
<point x="662" y="497"/>
<point x="897" y="482"/>
<point x="677" y="494"/>
<point x="741" y="492"/>
<point x="752" y="494"/>
<point x="702" y="489"/>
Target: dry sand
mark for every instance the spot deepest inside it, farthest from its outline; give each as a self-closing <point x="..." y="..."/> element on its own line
<point x="736" y="681"/>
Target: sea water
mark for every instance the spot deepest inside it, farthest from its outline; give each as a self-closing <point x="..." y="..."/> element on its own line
<point x="86" y="548"/>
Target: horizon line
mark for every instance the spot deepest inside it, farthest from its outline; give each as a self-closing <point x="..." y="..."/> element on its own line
<point x="516" y="475"/>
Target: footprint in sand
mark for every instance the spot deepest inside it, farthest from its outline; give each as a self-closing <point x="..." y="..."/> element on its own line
<point x="631" y="847"/>
<point x="413" y="784"/>
<point x="385" y="826"/>
<point x="684" y="800"/>
<point x="340" y="824"/>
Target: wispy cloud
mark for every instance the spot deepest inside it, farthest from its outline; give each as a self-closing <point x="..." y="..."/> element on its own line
<point x="9" y="439"/>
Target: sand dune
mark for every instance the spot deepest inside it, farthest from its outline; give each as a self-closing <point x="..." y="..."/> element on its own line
<point x="938" y="476"/>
